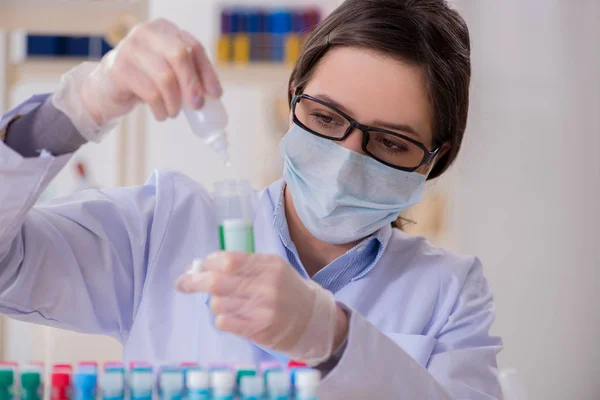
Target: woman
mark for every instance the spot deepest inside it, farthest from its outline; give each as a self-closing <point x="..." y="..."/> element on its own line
<point x="379" y="102"/>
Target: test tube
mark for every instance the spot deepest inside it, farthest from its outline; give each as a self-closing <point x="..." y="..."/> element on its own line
<point x="223" y="385"/>
<point x="171" y="384"/>
<point x="307" y="383"/>
<point x="235" y="215"/>
<point x="141" y="384"/>
<point x="112" y="384"/>
<point x="7" y="380"/>
<point x="278" y="385"/>
<point x="198" y="385"/>
<point x="252" y="388"/>
<point x="84" y="383"/>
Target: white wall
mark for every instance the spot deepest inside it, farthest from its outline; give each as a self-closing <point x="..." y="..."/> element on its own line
<point x="528" y="200"/>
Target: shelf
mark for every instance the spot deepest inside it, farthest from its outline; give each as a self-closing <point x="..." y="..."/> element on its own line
<point x="278" y="74"/>
<point x="63" y="17"/>
<point x="53" y="68"/>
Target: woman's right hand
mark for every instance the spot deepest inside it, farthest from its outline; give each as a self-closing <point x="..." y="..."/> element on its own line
<point x="158" y="64"/>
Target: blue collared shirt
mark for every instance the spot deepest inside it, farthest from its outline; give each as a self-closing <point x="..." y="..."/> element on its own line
<point x="350" y="266"/>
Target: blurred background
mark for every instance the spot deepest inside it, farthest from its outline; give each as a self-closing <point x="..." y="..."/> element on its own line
<point x="524" y="195"/>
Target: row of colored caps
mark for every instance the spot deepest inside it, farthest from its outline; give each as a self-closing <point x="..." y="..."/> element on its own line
<point x="277" y="21"/>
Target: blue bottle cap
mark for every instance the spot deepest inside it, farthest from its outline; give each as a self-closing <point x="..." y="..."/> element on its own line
<point x="254" y="21"/>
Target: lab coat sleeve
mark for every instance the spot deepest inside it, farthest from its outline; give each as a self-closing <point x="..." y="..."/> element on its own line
<point x="79" y="262"/>
<point x="462" y="364"/>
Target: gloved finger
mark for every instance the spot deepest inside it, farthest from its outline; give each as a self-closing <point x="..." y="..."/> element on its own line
<point x="244" y="326"/>
<point x="229" y="305"/>
<point x="204" y="68"/>
<point x="143" y="87"/>
<point x="168" y="44"/>
<point x="164" y="79"/>
<point x="229" y="262"/>
<point x="213" y="282"/>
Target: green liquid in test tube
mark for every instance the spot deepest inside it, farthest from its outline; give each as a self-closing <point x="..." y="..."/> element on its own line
<point x="235" y="214"/>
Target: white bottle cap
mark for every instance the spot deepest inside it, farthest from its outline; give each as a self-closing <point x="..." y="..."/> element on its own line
<point x="198" y="379"/>
<point x="252" y="386"/>
<point x="278" y="383"/>
<point x="171" y="381"/>
<point x="141" y="380"/>
<point x="112" y="382"/>
<point x="307" y="380"/>
<point x="196" y="265"/>
<point x="222" y="379"/>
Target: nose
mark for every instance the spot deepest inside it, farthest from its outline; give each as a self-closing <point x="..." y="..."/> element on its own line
<point x="353" y="141"/>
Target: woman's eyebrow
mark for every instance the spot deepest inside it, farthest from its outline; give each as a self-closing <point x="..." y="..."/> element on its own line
<point x="379" y="124"/>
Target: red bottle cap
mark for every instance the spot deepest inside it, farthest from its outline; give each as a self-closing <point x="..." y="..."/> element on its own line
<point x="63" y="366"/>
<point x="61" y="379"/>
<point x="293" y="364"/>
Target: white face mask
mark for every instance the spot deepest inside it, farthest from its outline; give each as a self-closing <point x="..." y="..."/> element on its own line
<point x="342" y="196"/>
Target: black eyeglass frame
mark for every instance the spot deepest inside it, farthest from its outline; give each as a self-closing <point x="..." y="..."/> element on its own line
<point x="354" y="124"/>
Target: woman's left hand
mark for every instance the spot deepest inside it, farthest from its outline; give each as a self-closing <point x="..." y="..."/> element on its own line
<point x="262" y="298"/>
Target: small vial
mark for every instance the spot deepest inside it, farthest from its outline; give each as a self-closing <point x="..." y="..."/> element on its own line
<point x="198" y="385"/>
<point x="141" y="384"/>
<point x="252" y="388"/>
<point x="235" y="215"/>
<point x="278" y="385"/>
<point x="31" y="384"/>
<point x="223" y="385"/>
<point x="171" y="385"/>
<point x="307" y="383"/>
<point x="112" y="384"/>
<point x="209" y="123"/>
<point x="84" y="383"/>
<point x="7" y="380"/>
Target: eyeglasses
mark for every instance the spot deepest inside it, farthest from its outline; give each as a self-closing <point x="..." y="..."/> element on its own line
<point x="390" y="148"/>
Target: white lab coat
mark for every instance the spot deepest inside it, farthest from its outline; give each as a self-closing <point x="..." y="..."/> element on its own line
<point x="106" y="261"/>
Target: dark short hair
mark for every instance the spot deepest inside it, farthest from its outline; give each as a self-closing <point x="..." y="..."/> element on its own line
<point x="426" y="33"/>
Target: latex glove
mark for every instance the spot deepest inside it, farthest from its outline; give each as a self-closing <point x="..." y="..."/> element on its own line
<point x="157" y="63"/>
<point x="262" y="298"/>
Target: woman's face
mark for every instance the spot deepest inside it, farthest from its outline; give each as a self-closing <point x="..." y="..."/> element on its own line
<point x="375" y="90"/>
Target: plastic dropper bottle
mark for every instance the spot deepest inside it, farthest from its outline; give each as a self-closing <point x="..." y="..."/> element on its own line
<point x="209" y="123"/>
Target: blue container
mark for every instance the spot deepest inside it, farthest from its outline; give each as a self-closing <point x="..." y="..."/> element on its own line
<point x="43" y="46"/>
<point x="77" y="46"/>
<point x="280" y="27"/>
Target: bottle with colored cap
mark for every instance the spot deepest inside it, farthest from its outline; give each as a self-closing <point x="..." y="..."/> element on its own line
<point x="31" y="384"/>
<point x="307" y="383"/>
<point x="280" y="26"/>
<point x="171" y="384"/>
<point x="84" y="383"/>
<point x="7" y="380"/>
<point x="140" y="384"/>
<point x="235" y="214"/>
<point x="278" y="385"/>
<point x="252" y="387"/>
<point x="223" y="385"/>
<point x="61" y="384"/>
<point x="112" y="384"/>
<point x="198" y="385"/>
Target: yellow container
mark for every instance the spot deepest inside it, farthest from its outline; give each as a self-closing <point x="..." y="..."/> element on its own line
<point x="224" y="49"/>
<point x="241" y="48"/>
